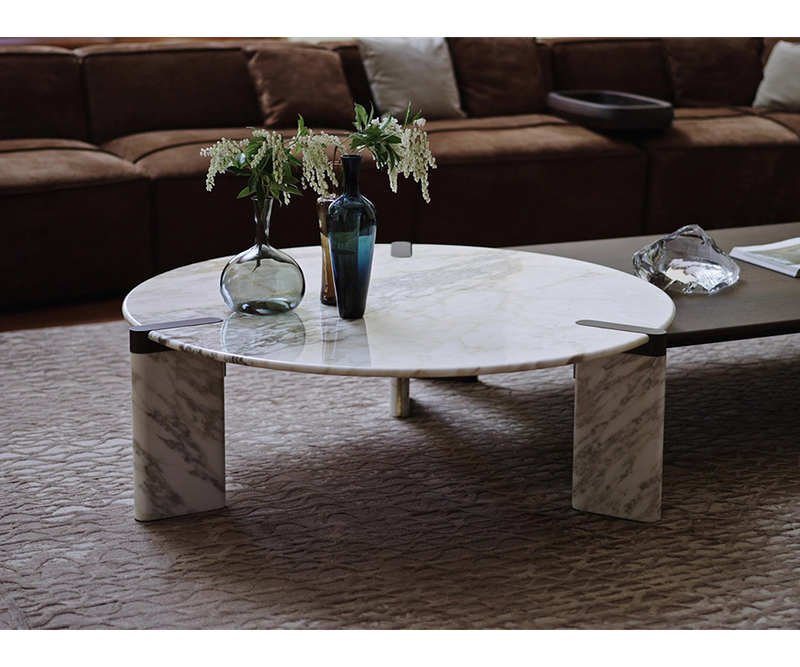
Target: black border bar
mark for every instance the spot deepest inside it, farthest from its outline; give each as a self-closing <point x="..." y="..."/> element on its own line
<point x="139" y="334"/>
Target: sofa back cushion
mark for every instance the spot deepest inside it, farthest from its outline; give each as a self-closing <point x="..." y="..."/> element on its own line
<point x="354" y="71"/>
<point x="498" y="76"/>
<point x="713" y="71"/>
<point x="629" y="65"/>
<point x="294" y="80"/>
<point x="780" y="87"/>
<point x="769" y="44"/>
<point x="142" y="87"/>
<point x="411" y="73"/>
<point x="41" y="93"/>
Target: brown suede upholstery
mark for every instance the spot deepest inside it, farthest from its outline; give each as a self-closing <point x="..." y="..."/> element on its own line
<point x="30" y="165"/>
<point x="628" y="65"/>
<point x="700" y="70"/>
<point x="135" y="88"/>
<point x="721" y="170"/>
<point x="354" y="72"/>
<point x="302" y="81"/>
<point x="70" y="243"/>
<point x="34" y="82"/>
<point x="791" y="121"/>
<point x="191" y="223"/>
<point x="74" y="219"/>
<point x="104" y="215"/>
<point x="498" y="76"/>
<point x="525" y="177"/>
<point x="769" y="44"/>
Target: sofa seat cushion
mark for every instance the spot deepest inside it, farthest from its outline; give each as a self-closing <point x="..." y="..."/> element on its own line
<point x="171" y="152"/>
<point x="176" y="153"/>
<point x="501" y="180"/>
<point x="513" y="138"/>
<point x="84" y="213"/>
<point x="720" y="128"/>
<point x="708" y="112"/>
<point x="494" y="123"/>
<point x="721" y="168"/>
<point x="788" y="119"/>
<point x="33" y="165"/>
<point x="192" y="224"/>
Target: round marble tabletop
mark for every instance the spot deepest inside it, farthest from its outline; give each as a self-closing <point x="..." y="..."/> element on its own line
<point x="444" y="311"/>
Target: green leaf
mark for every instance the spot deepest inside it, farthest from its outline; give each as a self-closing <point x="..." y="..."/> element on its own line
<point x="361" y="116"/>
<point x="246" y="192"/>
<point x="408" y="114"/>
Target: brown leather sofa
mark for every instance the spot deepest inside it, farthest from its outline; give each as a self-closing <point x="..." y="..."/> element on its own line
<point x="102" y="183"/>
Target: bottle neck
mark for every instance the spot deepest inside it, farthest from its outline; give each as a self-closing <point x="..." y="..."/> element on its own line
<point x="351" y="166"/>
<point x="262" y="217"/>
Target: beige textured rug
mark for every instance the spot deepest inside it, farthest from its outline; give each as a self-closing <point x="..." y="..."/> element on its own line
<point x="341" y="517"/>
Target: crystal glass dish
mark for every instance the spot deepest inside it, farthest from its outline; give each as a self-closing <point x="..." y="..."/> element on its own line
<point x="687" y="261"/>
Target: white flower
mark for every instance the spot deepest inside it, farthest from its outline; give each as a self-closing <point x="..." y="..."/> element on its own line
<point x="273" y="143"/>
<point x="268" y="158"/>
<point x="317" y="168"/>
<point x="223" y="154"/>
<point x="415" y="156"/>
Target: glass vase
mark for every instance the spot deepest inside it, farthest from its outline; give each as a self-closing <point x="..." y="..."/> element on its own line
<point x="262" y="280"/>
<point x="352" y="226"/>
<point x="327" y="292"/>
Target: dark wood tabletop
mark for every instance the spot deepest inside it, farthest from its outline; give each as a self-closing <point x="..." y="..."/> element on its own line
<point x="761" y="303"/>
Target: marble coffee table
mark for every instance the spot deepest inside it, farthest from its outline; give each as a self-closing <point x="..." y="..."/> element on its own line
<point x="445" y="311"/>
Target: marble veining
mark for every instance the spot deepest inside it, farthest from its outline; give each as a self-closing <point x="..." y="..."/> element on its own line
<point x="445" y="311"/>
<point x="619" y="436"/>
<point x="178" y="434"/>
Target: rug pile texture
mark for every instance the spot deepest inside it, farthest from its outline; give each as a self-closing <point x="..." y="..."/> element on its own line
<point x="340" y="516"/>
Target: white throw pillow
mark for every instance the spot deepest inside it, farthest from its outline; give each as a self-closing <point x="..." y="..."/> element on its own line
<point x="780" y="87"/>
<point x="415" y="69"/>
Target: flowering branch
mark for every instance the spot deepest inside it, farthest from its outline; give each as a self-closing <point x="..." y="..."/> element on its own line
<point x="267" y="158"/>
<point x="397" y="149"/>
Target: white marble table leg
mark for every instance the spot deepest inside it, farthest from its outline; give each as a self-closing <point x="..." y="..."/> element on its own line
<point x="178" y="434"/>
<point x="619" y="436"/>
<point x="399" y="399"/>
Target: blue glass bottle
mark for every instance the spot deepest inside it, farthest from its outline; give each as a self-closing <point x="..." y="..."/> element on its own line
<point x="351" y="235"/>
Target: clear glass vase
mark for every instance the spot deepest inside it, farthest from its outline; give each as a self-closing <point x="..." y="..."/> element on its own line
<point x="262" y="280"/>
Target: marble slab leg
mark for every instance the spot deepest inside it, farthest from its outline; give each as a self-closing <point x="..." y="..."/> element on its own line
<point x="619" y="436"/>
<point x="399" y="399"/>
<point x="178" y="434"/>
